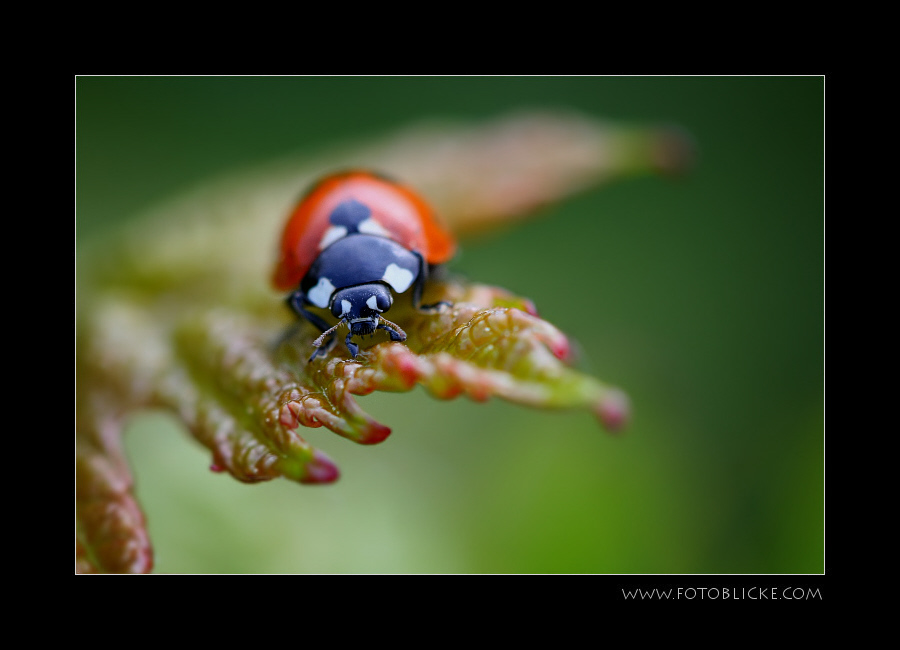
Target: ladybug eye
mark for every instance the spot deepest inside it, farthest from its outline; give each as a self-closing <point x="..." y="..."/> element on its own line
<point x="380" y="301"/>
<point x="341" y="308"/>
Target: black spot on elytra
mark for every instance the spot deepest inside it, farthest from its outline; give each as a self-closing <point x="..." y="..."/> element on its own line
<point x="350" y="214"/>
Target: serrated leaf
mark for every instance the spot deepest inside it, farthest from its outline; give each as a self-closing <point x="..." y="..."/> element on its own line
<point x="175" y="313"/>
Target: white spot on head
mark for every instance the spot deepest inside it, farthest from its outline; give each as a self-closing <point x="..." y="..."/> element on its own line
<point x="372" y="302"/>
<point x="331" y="235"/>
<point x="320" y="295"/>
<point x="372" y="227"/>
<point x="398" y="277"/>
<point x="345" y="307"/>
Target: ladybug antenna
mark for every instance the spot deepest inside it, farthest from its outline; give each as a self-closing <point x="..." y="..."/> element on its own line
<point x="318" y="342"/>
<point x="393" y="326"/>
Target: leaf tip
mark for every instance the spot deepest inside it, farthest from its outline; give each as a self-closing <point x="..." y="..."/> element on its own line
<point x="321" y="469"/>
<point x="373" y="433"/>
<point x="529" y="307"/>
<point x="614" y="410"/>
<point x="674" y="152"/>
<point x="561" y="348"/>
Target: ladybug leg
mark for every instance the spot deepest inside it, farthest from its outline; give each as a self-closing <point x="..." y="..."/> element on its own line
<point x="297" y="302"/>
<point x="419" y="286"/>
<point x="354" y="349"/>
<point x="395" y="335"/>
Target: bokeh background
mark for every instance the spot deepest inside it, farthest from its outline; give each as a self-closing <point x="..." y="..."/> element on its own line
<point x="706" y="305"/>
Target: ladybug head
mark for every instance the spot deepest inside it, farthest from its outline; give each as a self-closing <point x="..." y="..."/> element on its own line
<point x="361" y="306"/>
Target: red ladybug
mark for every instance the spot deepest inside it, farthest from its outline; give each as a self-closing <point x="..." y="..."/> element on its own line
<point x="355" y="237"/>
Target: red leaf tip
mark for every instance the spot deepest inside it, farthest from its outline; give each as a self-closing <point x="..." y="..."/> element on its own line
<point x="614" y="410"/>
<point x="529" y="307"/>
<point x="561" y="348"/>
<point x="320" y="469"/>
<point x="373" y="433"/>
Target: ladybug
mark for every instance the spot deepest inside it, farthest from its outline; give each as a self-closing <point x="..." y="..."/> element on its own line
<point x="354" y="240"/>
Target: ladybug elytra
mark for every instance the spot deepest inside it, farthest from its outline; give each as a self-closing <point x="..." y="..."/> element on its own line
<point x="355" y="239"/>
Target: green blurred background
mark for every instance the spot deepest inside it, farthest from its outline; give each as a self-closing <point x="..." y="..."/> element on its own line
<point x="707" y="308"/>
